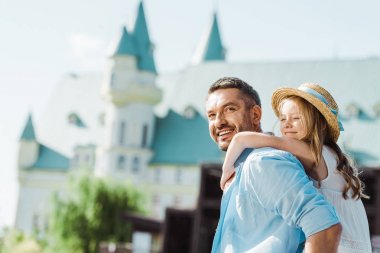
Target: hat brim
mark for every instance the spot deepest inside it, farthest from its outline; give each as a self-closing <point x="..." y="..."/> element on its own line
<point x="332" y="120"/>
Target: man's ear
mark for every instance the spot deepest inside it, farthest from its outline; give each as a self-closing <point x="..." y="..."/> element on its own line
<point x="256" y="115"/>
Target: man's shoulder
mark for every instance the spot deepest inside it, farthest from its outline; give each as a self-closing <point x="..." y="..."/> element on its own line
<point x="270" y="160"/>
<point x="270" y="153"/>
<point x="267" y="154"/>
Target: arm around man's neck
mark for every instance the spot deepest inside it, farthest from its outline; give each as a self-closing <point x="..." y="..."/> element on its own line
<point x="324" y="241"/>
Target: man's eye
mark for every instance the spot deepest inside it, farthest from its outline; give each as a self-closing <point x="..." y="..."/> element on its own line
<point x="230" y="109"/>
<point x="283" y="119"/>
<point x="211" y="116"/>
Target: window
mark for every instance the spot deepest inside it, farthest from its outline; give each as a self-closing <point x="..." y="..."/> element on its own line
<point x="113" y="80"/>
<point x="35" y="221"/>
<point x="102" y="119"/>
<point x="75" y="160"/>
<point x="144" y="136"/>
<point x="121" y="133"/>
<point x="177" y="200"/>
<point x="157" y="175"/>
<point x="156" y="199"/>
<point x="178" y="176"/>
<point x="136" y="165"/>
<point x="121" y="161"/>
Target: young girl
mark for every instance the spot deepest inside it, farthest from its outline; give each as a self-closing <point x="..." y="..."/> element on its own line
<point x="310" y="128"/>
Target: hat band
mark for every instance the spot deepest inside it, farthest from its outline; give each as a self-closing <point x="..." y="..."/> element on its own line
<point x="323" y="99"/>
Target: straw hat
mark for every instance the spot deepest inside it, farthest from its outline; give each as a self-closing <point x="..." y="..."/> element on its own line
<point x="318" y="97"/>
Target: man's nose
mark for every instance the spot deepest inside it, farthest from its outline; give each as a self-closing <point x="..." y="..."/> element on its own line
<point x="220" y="120"/>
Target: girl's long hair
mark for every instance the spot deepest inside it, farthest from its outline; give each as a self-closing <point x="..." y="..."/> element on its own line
<point x="317" y="135"/>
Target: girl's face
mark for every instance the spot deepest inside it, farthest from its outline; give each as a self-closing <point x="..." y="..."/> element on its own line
<point x="291" y="121"/>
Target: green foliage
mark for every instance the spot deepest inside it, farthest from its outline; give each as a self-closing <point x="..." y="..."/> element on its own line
<point x="91" y="213"/>
<point x="14" y="241"/>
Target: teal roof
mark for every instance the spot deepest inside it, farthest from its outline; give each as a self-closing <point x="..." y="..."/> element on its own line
<point x="143" y="44"/>
<point x="28" y="133"/>
<point x="214" y="50"/>
<point x="180" y="140"/>
<point x="126" y="44"/>
<point x="50" y="159"/>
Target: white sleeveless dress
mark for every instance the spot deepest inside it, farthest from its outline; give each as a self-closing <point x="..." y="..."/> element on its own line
<point x="355" y="234"/>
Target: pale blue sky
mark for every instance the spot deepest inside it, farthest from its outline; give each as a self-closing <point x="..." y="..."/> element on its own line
<point x="42" y="40"/>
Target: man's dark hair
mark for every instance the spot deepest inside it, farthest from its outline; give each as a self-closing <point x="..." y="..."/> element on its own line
<point x="251" y="95"/>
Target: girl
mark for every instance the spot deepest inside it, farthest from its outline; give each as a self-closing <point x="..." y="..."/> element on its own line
<point x="310" y="128"/>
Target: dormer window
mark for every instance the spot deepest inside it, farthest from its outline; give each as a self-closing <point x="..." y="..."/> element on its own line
<point x="74" y="119"/>
<point x="355" y="111"/>
<point x="376" y="109"/>
<point x="189" y="112"/>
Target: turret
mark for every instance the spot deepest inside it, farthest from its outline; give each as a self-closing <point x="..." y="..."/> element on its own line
<point x="131" y="93"/>
<point x="132" y="72"/>
<point x="210" y="47"/>
<point x="28" y="146"/>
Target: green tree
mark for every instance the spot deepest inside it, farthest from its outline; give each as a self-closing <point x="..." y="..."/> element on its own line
<point x="91" y="213"/>
<point x="15" y="241"/>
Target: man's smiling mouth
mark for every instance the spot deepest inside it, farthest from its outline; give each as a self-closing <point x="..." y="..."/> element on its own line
<point x="222" y="133"/>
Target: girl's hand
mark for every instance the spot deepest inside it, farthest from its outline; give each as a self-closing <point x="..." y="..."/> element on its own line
<point x="227" y="176"/>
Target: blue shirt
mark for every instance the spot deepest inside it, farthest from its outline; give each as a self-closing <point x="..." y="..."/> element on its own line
<point x="270" y="206"/>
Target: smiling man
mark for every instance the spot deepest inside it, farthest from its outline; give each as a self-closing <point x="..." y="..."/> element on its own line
<point x="271" y="205"/>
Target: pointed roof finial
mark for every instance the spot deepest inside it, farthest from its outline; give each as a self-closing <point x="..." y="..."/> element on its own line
<point x="126" y="44"/>
<point x="211" y="46"/>
<point x="143" y="44"/>
<point x="28" y="133"/>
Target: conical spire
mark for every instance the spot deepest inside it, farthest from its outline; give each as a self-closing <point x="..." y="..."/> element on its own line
<point x="143" y="43"/>
<point x="126" y="45"/>
<point x="28" y="133"/>
<point x="211" y="47"/>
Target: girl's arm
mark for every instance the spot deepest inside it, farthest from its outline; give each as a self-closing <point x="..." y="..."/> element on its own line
<point x="243" y="140"/>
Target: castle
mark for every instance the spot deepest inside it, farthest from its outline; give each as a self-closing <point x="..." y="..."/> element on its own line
<point x="134" y="124"/>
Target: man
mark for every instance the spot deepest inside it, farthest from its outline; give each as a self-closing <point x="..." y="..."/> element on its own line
<point x="270" y="205"/>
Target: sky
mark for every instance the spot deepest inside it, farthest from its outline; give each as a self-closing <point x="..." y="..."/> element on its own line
<point x="43" y="40"/>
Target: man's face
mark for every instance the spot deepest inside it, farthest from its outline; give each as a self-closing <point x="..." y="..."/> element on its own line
<point x="228" y="114"/>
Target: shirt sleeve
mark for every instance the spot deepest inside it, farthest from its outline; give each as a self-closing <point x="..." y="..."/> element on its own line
<point x="279" y="183"/>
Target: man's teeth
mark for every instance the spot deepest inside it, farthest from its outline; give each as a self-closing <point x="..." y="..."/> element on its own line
<point x="224" y="132"/>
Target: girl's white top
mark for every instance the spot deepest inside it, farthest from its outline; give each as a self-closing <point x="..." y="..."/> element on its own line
<point x="355" y="235"/>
